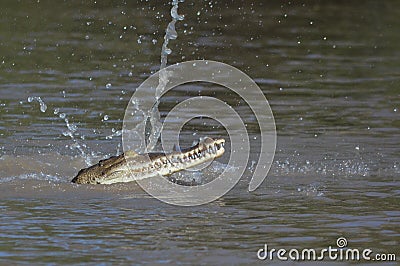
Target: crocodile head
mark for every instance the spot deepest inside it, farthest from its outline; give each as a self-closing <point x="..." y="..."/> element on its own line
<point x="131" y="166"/>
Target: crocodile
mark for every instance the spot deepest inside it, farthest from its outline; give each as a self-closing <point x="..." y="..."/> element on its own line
<point x="131" y="166"/>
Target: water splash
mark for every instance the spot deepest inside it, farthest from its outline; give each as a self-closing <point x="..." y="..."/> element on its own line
<point x="207" y="175"/>
<point x="153" y="131"/>
<point x="170" y="33"/>
<point x="115" y="133"/>
<point x="43" y="106"/>
<point x="333" y="167"/>
<point x="314" y="189"/>
<point x="71" y="132"/>
<point x="71" y="128"/>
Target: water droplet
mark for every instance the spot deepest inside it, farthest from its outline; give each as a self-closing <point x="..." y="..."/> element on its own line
<point x="108" y="85"/>
<point x="72" y="127"/>
<point x="174" y="12"/>
<point x="43" y="106"/>
<point x="105" y="118"/>
<point x="167" y="51"/>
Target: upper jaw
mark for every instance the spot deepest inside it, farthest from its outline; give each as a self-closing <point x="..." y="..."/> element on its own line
<point x="206" y="149"/>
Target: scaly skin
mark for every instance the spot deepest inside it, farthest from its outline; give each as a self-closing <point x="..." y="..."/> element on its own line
<point x="131" y="166"/>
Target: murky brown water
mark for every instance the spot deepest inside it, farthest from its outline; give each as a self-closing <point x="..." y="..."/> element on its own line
<point x="329" y="70"/>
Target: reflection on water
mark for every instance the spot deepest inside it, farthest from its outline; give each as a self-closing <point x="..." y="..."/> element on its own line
<point x="329" y="70"/>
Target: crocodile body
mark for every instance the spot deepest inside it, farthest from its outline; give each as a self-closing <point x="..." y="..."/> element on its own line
<point x="131" y="166"/>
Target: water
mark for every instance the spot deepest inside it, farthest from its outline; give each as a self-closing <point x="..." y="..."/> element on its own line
<point x="154" y="118"/>
<point x="330" y="72"/>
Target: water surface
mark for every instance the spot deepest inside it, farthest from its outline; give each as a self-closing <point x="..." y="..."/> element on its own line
<point x="329" y="70"/>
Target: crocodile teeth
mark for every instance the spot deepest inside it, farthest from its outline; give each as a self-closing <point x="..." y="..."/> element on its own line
<point x="157" y="165"/>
